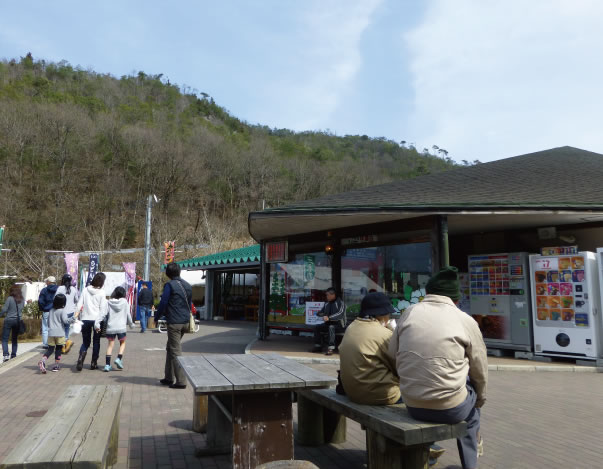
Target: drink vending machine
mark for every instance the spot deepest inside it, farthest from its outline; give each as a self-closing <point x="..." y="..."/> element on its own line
<point x="500" y="299"/>
<point x="565" y="298"/>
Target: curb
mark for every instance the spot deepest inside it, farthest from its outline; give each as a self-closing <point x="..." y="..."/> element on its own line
<point x="9" y="365"/>
<point x="520" y="368"/>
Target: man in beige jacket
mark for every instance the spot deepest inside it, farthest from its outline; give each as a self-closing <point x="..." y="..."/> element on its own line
<point x="441" y="360"/>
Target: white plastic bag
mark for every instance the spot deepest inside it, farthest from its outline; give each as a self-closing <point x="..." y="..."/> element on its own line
<point x="77" y="326"/>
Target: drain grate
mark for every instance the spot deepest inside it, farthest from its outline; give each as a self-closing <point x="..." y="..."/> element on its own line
<point x="36" y="413"/>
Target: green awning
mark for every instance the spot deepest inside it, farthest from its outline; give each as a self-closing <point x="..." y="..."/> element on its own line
<point x="236" y="256"/>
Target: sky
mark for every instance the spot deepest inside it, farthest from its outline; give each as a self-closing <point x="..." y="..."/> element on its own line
<point x="483" y="79"/>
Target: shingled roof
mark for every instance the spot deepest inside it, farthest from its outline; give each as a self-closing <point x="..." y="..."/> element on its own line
<point x="559" y="178"/>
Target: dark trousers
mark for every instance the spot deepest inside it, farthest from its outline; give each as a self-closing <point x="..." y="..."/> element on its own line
<point x="88" y="335"/>
<point x="331" y="329"/>
<point x="467" y="445"/>
<point x="10" y="330"/>
<point x="58" y="352"/>
<point x="174" y="350"/>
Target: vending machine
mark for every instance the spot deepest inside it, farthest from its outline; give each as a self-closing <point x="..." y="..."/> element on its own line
<point x="565" y="297"/>
<point x="500" y="299"/>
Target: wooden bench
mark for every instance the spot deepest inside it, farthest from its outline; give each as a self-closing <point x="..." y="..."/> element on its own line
<point x="80" y="431"/>
<point x="394" y="440"/>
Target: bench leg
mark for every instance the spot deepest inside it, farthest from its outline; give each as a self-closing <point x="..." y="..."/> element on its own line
<point x="200" y="414"/>
<point x="316" y="425"/>
<point x="219" y="427"/>
<point x="384" y="453"/>
<point x="262" y="426"/>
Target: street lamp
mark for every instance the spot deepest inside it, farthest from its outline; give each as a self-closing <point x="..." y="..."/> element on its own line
<point x="146" y="276"/>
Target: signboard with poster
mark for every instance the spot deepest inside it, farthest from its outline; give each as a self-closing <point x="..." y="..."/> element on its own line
<point x="277" y="251"/>
<point x="312" y="308"/>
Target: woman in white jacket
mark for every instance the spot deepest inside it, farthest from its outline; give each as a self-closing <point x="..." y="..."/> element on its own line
<point x="92" y="304"/>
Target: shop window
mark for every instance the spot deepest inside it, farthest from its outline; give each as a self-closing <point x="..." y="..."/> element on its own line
<point x="400" y="271"/>
<point x="305" y="278"/>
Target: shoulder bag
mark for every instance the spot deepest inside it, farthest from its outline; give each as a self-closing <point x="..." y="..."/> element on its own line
<point x="191" y="318"/>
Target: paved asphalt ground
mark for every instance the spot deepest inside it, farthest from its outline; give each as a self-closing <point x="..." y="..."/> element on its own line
<point x="531" y="420"/>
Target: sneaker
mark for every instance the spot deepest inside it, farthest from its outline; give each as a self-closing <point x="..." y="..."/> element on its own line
<point x="68" y="345"/>
<point x="107" y="368"/>
<point x="119" y="364"/>
<point x="6" y="358"/>
<point x="480" y="447"/>
<point x="42" y="366"/>
<point x="55" y="368"/>
<point x="329" y="352"/>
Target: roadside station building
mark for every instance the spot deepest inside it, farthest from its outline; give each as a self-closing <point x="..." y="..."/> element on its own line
<point x="232" y="282"/>
<point x="393" y="237"/>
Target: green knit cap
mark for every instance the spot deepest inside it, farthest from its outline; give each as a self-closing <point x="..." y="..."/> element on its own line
<point x="445" y="283"/>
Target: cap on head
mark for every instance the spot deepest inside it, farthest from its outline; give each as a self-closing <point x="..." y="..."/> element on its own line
<point x="376" y="304"/>
<point x="445" y="283"/>
<point x="51" y="279"/>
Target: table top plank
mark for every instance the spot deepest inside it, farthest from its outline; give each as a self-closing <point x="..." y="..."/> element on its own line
<point x="312" y="378"/>
<point x="203" y="375"/>
<point x="242" y="378"/>
<point x="275" y="376"/>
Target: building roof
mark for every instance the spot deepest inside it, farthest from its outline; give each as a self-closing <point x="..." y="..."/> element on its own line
<point x="565" y="178"/>
<point x="561" y="177"/>
<point x="244" y="255"/>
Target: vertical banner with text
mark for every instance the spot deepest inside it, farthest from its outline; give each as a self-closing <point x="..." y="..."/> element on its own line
<point x="170" y="251"/>
<point x="71" y="265"/>
<point x="92" y="268"/>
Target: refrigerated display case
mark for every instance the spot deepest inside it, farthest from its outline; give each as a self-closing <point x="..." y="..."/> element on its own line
<point x="500" y="300"/>
<point x="565" y="298"/>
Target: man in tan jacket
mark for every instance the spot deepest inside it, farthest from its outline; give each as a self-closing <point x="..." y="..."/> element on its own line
<point x="441" y="360"/>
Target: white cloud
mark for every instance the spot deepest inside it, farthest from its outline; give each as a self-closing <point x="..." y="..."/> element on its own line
<point x="498" y="78"/>
<point x="324" y="61"/>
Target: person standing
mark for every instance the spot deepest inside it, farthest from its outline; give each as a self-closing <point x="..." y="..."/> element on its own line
<point x="57" y="320"/>
<point x="145" y="305"/>
<point x="175" y="305"/>
<point x="72" y="296"/>
<point x="117" y="316"/>
<point x="442" y="363"/>
<point x="45" y="305"/>
<point x="334" y="320"/>
<point x="91" y="305"/>
<point x="12" y="309"/>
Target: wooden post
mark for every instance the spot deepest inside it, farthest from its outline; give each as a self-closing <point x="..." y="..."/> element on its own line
<point x="334" y="426"/>
<point x="384" y="453"/>
<point x="219" y="428"/>
<point x="310" y="426"/>
<point x="200" y="414"/>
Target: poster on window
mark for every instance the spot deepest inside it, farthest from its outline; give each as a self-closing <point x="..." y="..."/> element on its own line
<point x="312" y="309"/>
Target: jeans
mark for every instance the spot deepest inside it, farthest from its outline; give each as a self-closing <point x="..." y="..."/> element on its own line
<point x="467" y="445"/>
<point x="87" y="331"/>
<point x="329" y="327"/>
<point x="174" y="350"/>
<point x="68" y="326"/>
<point x="11" y="328"/>
<point x="145" y="313"/>
<point x="45" y="315"/>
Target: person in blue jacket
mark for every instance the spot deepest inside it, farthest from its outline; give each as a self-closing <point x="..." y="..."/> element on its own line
<point x="45" y="304"/>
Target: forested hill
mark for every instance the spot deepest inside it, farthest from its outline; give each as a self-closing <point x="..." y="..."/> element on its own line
<point x="80" y="151"/>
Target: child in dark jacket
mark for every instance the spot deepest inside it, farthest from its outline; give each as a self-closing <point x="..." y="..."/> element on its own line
<point x="57" y="320"/>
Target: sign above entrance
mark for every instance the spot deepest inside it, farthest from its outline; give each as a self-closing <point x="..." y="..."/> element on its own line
<point x="277" y="251"/>
<point x="359" y="240"/>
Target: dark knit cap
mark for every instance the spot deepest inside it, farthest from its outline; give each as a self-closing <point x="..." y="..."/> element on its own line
<point x="376" y="304"/>
<point x="445" y="283"/>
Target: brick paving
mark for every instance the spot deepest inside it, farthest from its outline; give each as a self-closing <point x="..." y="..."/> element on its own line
<point x="532" y="420"/>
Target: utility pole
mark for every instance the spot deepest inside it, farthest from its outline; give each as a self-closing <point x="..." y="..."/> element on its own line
<point x="147" y="242"/>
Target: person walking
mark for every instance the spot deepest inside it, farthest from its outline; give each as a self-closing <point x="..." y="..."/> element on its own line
<point x="145" y="305"/>
<point x="45" y="305"/>
<point x="91" y="304"/>
<point x="442" y="363"/>
<point x="175" y="305"/>
<point x="333" y="315"/>
<point x="57" y="320"/>
<point x="117" y="316"/>
<point x="71" y="298"/>
<point x="12" y="309"/>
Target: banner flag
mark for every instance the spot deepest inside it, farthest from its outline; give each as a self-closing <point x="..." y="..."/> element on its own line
<point x="71" y="265"/>
<point x="170" y="251"/>
<point x="130" y="268"/>
<point x="1" y="236"/>
<point x="92" y="268"/>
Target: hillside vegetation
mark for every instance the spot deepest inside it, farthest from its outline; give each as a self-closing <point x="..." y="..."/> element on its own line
<point x="80" y="152"/>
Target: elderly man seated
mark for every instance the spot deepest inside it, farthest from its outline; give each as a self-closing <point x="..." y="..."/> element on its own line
<point x="368" y="371"/>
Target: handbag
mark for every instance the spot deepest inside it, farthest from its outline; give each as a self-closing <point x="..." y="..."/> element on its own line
<point x="191" y="318"/>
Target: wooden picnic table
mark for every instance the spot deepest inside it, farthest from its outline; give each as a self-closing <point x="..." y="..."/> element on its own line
<point x="249" y="410"/>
